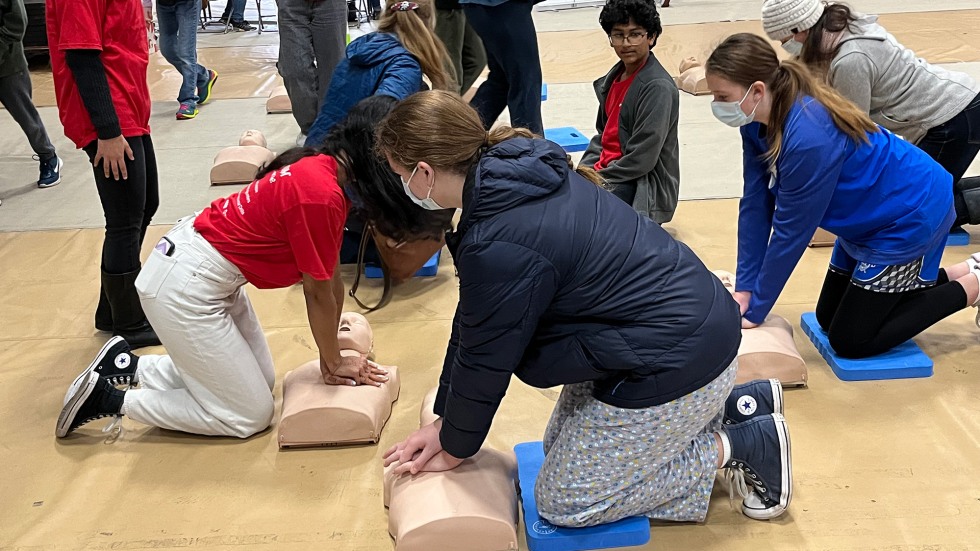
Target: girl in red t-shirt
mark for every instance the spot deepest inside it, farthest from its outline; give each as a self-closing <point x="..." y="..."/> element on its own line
<point x="283" y="228"/>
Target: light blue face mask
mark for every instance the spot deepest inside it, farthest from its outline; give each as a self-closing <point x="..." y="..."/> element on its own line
<point x="428" y="203"/>
<point x="793" y="47"/>
<point x="730" y="112"/>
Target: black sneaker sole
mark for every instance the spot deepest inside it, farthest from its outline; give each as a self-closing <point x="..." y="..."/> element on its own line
<point x="74" y="403"/>
<point x="91" y="367"/>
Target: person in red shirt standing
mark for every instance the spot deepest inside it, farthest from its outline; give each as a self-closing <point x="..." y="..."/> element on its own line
<point x="98" y="60"/>
<point x="283" y="228"/>
<point x="636" y="149"/>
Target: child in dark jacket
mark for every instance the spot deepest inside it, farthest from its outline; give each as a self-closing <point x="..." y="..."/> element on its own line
<point x="390" y="62"/>
<point x="814" y="159"/>
<point x="561" y="283"/>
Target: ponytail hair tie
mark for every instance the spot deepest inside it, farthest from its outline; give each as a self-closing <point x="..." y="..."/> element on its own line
<point x="404" y="6"/>
<point x="486" y="140"/>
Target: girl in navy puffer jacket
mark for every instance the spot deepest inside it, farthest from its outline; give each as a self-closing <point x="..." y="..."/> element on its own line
<point x="561" y="283"/>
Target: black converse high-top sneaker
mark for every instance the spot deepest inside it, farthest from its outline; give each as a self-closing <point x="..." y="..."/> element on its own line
<point x="761" y="465"/>
<point x="93" y="398"/>
<point x="114" y="362"/>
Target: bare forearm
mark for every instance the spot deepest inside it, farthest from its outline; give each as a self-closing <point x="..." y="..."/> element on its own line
<point x="324" y="315"/>
<point x="338" y="292"/>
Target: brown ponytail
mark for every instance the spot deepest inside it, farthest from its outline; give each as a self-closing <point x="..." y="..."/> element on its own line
<point x="747" y="58"/>
<point x="438" y="127"/>
<point x="414" y="29"/>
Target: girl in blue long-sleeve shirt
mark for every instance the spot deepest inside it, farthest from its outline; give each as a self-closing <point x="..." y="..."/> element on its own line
<point x="813" y="159"/>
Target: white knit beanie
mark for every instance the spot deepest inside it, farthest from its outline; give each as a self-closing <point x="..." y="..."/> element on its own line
<point x="781" y="17"/>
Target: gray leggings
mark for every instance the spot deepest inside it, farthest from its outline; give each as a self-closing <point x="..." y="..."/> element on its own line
<point x="604" y="463"/>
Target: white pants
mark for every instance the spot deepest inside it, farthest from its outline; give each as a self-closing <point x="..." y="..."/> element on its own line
<point x="219" y="375"/>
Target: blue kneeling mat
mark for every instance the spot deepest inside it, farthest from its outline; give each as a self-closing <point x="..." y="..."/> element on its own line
<point x="429" y="269"/>
<point x="544" y="536"/>
<point x="544" y="91"/>
<point x="958" y="238"/>
<point x="905" y="361"/>
<point x="570" y="139"/>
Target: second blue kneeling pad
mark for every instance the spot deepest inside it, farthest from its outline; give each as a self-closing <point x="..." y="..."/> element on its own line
<point x="905" y="361"/>
<point x="544" y="536"/>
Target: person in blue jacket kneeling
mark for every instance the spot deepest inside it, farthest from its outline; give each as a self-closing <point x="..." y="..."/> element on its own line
<point x="389" y="62"/>
<point x="814" y="159"/>
<point x="562" y="283"/>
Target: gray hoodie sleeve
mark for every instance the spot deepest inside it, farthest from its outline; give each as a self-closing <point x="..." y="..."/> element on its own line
<point x="853" y="75"/>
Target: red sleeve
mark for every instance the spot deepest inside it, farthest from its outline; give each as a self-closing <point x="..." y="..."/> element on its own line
<point x="315" y="215"/>
<point x="82" y="22"/>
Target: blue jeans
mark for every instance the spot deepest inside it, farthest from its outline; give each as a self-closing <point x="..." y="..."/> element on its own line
<point x="234" y="11"/>
<point x="178" y="43"/>
<point x="514" y="82"/>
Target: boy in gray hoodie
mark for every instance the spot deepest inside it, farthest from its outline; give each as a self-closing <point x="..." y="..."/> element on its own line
<point x="635" y="149"/>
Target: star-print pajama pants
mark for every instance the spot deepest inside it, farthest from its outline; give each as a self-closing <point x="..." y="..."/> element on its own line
<point x="604" y="463"/>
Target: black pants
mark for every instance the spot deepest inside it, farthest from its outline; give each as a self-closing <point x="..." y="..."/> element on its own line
<point x="861" y="323"/>
<point x="955" y="143"/>
<point x="128" y="205"/>
<point x="514" y="82"/>
<point x="626" y="192"/>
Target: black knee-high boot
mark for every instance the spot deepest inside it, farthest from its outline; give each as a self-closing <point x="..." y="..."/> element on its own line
<point x="128" y="319"/>
<point x="103" y="313"/>
<point x="966" y="197"/>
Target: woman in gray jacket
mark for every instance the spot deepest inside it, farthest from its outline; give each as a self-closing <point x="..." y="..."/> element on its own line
<point x="936" y="109"/>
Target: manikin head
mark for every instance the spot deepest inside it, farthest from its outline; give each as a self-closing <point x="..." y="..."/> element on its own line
<point x="354" y="333"/>
<point x="252" y="137"/>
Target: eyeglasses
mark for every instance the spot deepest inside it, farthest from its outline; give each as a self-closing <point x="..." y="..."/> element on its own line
<point x="633" y="39"/>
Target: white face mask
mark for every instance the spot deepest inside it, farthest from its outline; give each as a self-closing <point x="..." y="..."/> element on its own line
<point x="793" y="47"/>
<point x="730" y="112"/>
<point x="428" y="203"/>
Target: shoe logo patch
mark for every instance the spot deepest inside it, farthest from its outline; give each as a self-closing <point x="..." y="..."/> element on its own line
<point x="122" y="361"/>
<point x="747" y="405"/>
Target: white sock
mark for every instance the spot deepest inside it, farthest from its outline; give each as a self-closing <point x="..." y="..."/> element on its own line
<point x="726" y="448"/>
<point x="973" y="261"/>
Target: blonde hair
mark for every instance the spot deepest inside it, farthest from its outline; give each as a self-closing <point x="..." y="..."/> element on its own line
<point x="438" y="127"/>
<point x="747" y="58"/>
<point x="415" y="30"/>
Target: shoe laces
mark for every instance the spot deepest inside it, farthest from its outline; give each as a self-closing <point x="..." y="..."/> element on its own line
<point x="121" y="379"/>
<point x="742" y="481"/>
<point x="736" y="485"/>
<point x="114" y="429"/>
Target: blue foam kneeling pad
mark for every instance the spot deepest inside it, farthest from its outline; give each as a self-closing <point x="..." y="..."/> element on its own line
<point x="905" y="361"/>
<point x="958" y="238"/>
<point x="544" y="536"/>
<point x="570" y="139"/>
<point x="429" y="269"/>
<point x="544" y="91"/>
